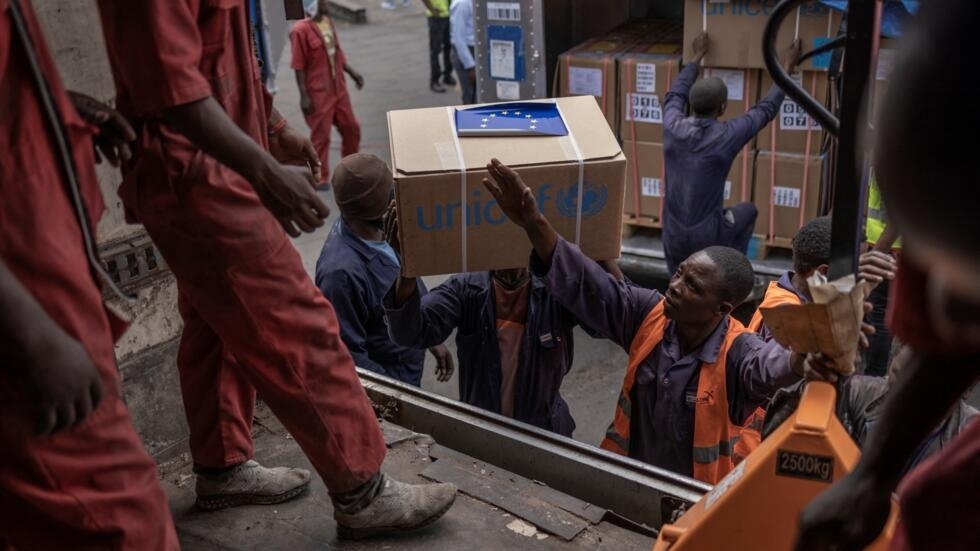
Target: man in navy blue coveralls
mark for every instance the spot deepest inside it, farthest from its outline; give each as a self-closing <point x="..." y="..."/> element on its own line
<point x="698" y="154"/>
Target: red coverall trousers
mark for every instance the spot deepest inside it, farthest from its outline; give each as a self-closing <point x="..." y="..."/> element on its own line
<point x="253" y="320"/>
<point x="92" y="486"/>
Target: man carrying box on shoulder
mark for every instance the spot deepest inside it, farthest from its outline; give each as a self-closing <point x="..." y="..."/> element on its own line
<point x="698" y="154"/>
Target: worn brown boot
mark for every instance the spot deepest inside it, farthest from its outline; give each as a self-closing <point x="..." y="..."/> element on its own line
<point x="398" y="507"/>
<point x="250" y="484"/>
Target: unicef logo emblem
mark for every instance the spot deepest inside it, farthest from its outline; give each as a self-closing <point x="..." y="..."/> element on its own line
<point x="594" y="199"/>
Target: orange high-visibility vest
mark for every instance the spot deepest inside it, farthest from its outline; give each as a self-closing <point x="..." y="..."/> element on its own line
<point x="715" y="436"/>
<point x="775" y="296"/>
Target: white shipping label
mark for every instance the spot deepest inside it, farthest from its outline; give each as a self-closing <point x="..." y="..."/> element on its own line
<point x="646" y="78"/>
<point x="504" y="11"/>
<point x="585" y="81"/>
<point x="508" y="90"/>
<point x="502" y="59"/>
<point x="786" y="197"/>
<point x="644" y="108"/>
<point x="650" y="187"/>
<point x="728" y="189"/>
<point x="733" y="79"/>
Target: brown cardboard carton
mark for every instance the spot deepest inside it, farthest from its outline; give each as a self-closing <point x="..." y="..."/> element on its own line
<point x="793" y="129"/>
<point x="646" y="72"/>
<point x="787" y="193"/>
<point x="590" y="69"/>
<point x="646" y="180"/>
<point x="430" y="189"/>
<point x="735" y="28"/>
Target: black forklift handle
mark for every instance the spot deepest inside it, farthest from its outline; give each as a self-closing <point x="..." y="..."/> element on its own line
<point x="782" y="79"/>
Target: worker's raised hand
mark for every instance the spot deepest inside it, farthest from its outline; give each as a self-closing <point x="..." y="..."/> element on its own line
<point x="791" y="59"/>
<point x="64" y="382"/>
<point x="115" y="133"/>
<point x="292" y="148"/>
<point x="512" y="195"/>
<point x="444" y="362"/>
<point x="288" y="192"/>
<point x="875" y="267"/>
<point x="700" y="47"/>
<point x="391" y="228"/>
<point x="846" y="517"/>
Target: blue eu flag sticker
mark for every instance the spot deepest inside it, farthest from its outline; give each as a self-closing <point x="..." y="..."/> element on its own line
<point x="511" y="119"/>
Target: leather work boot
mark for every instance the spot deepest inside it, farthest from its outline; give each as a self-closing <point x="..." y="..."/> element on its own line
<point x="399" y="507"/>
<point x="250" y="484"/>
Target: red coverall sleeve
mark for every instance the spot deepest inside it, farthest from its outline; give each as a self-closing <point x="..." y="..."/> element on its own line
<point x="156" y="49"/>
<point x="299" y="60"/>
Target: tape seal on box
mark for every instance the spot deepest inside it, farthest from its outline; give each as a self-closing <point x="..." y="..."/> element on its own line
<point x="581" y="175"/>
<point x="461" y="163"/>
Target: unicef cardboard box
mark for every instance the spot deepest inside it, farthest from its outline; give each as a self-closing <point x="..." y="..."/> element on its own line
<point x="562" y="148"/>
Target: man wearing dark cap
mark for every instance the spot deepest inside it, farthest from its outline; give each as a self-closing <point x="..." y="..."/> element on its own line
<point x="698" y="154"/>
<point x="357" y="266"/>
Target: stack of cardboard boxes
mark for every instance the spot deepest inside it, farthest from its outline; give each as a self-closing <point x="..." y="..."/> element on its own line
<point x="782" y="171"/>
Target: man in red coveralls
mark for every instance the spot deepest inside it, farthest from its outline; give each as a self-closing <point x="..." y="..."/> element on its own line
<point x="929" y="184"/>
<point x="216" y="202"/>
<point x="73" y="473"/>
<point x="320" y="65"/>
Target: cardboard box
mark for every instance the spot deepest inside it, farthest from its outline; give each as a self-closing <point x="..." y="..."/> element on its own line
<point x="791" y="184"/>
<point x="886" y="62"/>
<point x="646" y="180"/>
<point x="430" y="187"/>
<point x="793" y="127"/>
<point x="736" y="27"/>
<point x="646" y="72"/>
<point x="590" y="69"/>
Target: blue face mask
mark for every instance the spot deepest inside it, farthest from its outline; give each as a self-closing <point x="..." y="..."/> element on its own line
<point x="310" y="6"/>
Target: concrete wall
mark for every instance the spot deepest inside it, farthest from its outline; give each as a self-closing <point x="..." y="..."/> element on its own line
<point x="146" y="352"/>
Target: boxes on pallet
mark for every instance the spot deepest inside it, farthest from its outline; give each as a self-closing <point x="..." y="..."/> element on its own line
<point x="793" y="130"/>
<point x="646" y="72"/>
<point x="449" y="223"/>
<point x="736" y="27"/>
<point x="646" y="180"/>
<point x="590" y="69"/>
<point x="787" y="193"/>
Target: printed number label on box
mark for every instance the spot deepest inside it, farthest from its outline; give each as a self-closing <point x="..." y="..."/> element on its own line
<point x="585" y="81"/>
<point x="650" y="187"/>
<point x="646" y="78"/>
<point x="805" y="465"/>
<point x="644" y="108"/>
<point x="786" y="197"/>
<point x="508" y="90"/>
<point x="503" y="11"/>
<point x="793" y="117"/>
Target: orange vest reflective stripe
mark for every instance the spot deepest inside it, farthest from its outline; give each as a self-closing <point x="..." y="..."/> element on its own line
<point x="715" y="436"/>
<point x="775" y="296"/>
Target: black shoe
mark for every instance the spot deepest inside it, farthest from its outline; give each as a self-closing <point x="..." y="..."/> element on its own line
<point x="436" y="87"/>
<point x="448" y="80"/>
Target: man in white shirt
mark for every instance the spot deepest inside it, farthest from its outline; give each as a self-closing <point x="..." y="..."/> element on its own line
<point x="462" y="34"/>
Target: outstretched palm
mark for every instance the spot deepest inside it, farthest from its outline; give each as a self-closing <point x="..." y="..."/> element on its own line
<point x="512" y="195"/>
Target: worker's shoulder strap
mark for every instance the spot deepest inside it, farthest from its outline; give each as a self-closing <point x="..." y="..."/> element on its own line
<point x="649" y="335"/>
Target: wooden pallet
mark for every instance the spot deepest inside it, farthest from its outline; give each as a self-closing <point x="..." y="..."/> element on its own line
<point x="767" y="245"/>
<point x="631" y="223"/>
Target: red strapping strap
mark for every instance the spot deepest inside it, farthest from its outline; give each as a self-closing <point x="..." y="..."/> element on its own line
<point x="630" y="65"/>
<point x="663" y="163"/>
